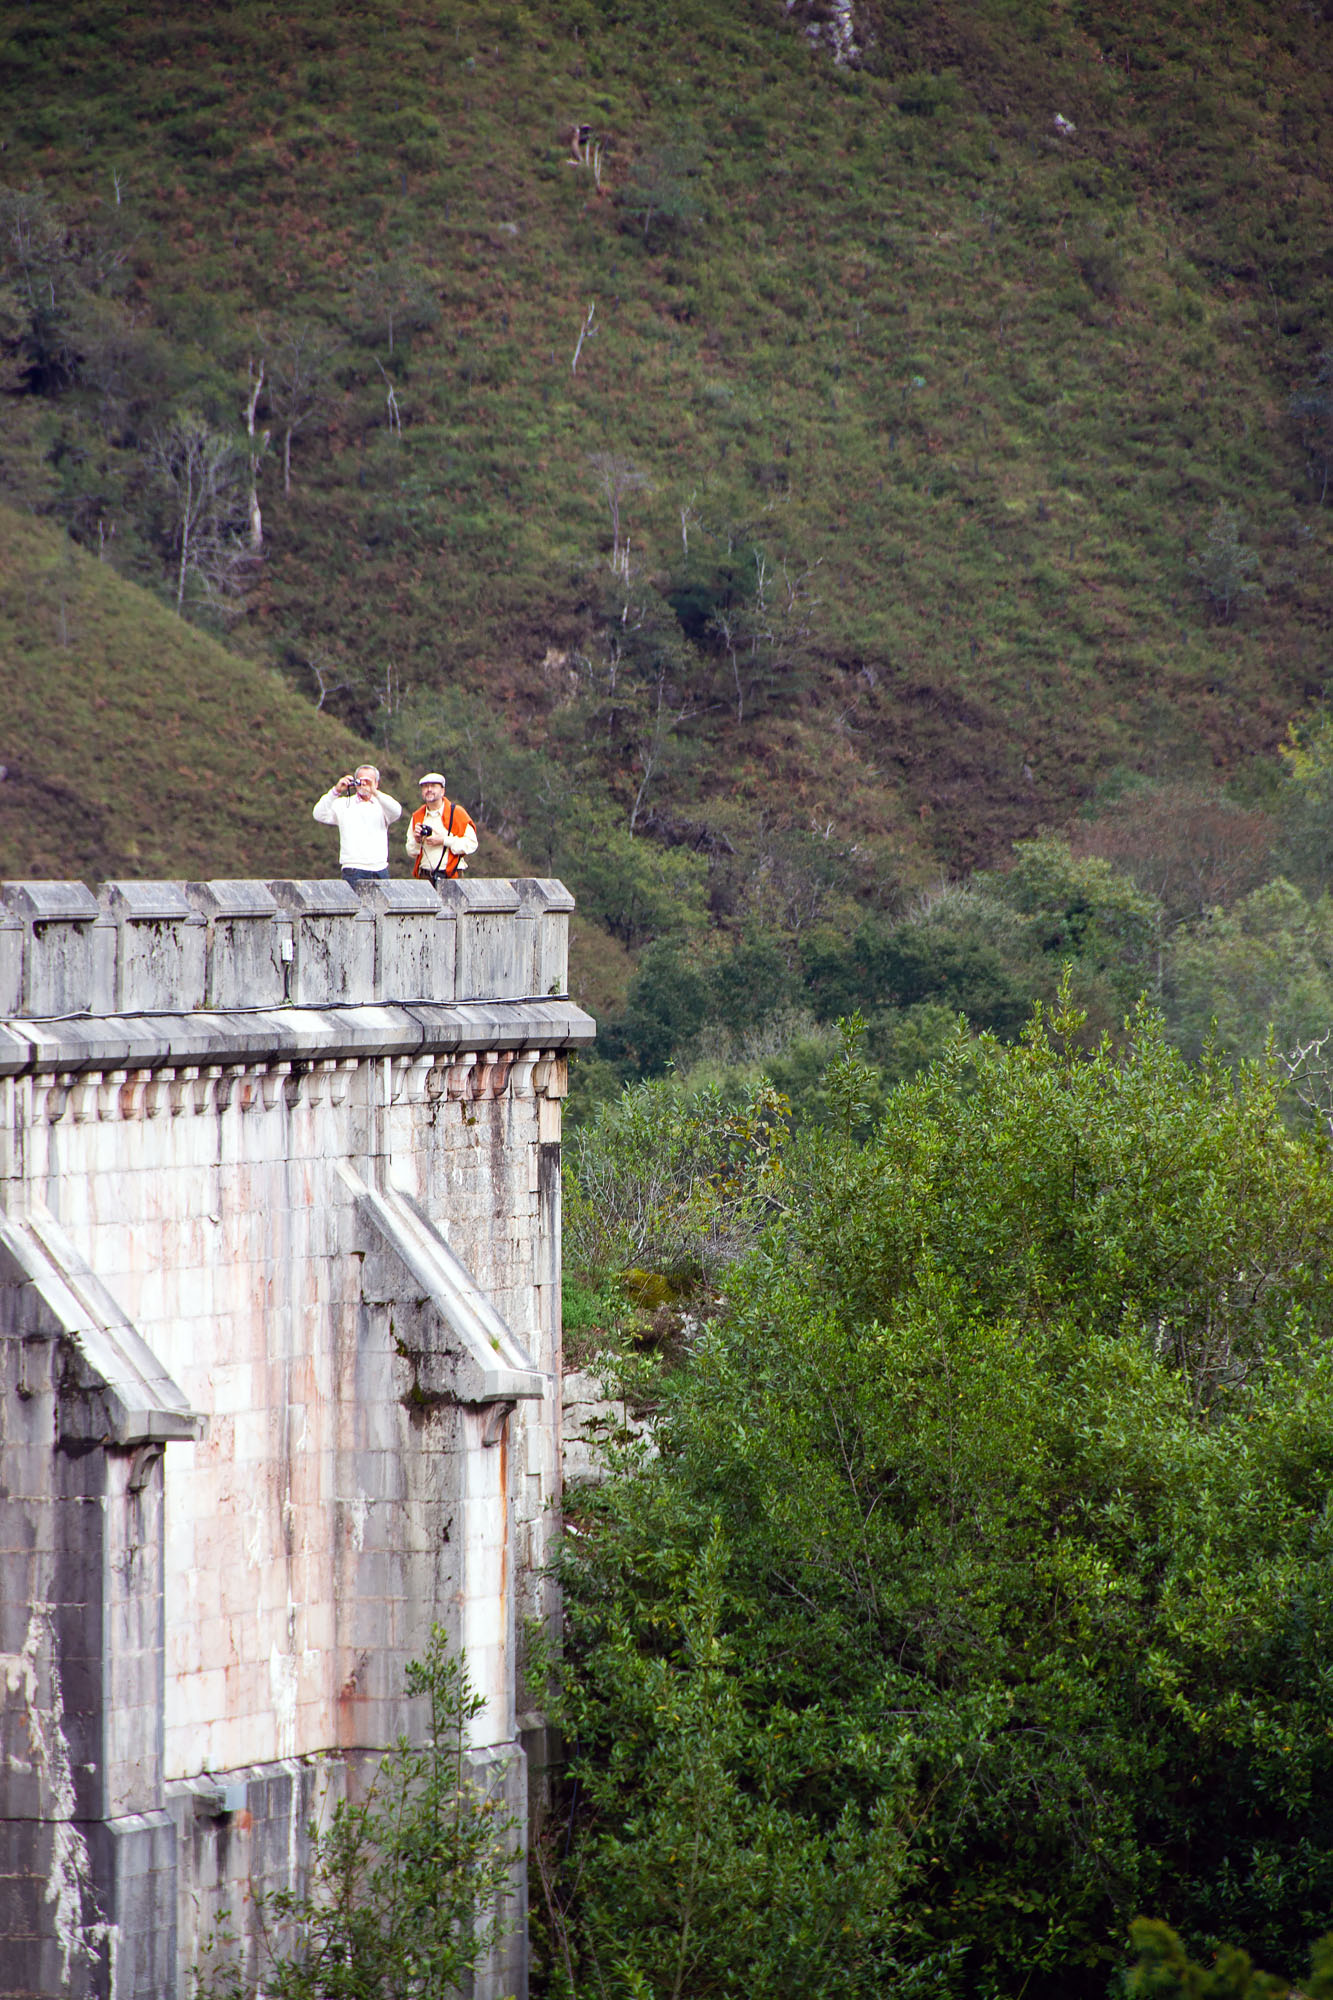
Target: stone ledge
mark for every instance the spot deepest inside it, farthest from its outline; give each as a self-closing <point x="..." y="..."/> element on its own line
<point x="288" y="1034"/>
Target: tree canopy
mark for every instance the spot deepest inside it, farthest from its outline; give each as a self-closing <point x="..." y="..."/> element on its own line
<point x="977" y="1598"/>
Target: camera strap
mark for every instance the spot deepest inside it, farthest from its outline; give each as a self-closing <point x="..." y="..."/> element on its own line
<point x="443" y="869"/>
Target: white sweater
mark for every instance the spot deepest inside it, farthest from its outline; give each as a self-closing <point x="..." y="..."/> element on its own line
<point x="363" y="827"/>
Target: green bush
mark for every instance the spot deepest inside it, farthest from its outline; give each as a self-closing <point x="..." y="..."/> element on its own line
<point x="639" y="890"/>
<point x="406" y="1886"/>
<point x="1084" y="909"/>
<point x="588" y="1307"/>
<point x="1306" y="803"/>
<point x="1163" y="1971"/>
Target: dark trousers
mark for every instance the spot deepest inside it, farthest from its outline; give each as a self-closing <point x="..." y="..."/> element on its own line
<point x="355" y="875"/>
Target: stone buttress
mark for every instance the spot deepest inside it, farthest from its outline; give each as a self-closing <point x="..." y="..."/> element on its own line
<point x="279" y="1381"/>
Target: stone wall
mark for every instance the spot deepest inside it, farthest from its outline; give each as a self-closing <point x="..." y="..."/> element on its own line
<point x="279" y="1328"/>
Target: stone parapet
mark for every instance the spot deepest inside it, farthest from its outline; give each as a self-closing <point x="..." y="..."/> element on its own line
<point x="296" y="1036"/>
<point x="149" y="948"/>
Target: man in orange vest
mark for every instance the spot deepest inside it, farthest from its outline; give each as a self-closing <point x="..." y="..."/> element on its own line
<point x="439" y="833"/>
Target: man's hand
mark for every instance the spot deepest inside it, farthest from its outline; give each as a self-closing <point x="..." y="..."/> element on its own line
<point x="345" y="784"/>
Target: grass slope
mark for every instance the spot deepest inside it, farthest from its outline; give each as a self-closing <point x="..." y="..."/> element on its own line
<point x="136" y="745"/>
<point x="981" y="383"/>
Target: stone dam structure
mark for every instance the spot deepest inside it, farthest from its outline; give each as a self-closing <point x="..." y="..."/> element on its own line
<point x="280" y="1382"/>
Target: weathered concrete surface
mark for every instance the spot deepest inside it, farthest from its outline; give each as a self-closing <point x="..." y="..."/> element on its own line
<point x="279" y="1331"/>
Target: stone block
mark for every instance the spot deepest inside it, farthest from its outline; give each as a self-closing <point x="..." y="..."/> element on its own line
<point x="134" y="1861"/>
<point x="333" y="942"/>
<point x="160" y="948"/>
<point x="11" y="963"/>
<point x="414" y="942"/>
<point x="22" y="1793"/>
<point x="58" y="919"/>
<point x="493" y="958"/>
<point x="547" y="905"/>
<point x="247" y="935"/>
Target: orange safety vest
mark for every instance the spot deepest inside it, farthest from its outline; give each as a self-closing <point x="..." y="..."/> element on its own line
<point x="456" y="822"/>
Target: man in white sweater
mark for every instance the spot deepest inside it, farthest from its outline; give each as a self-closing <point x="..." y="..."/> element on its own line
<point x="363" y="815"/>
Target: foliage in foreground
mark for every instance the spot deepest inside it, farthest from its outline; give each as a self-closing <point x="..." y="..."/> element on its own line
<point x="1163" y="1971"/>
<point x="978" y="1597"/>
<point x="406" y="1884"/>
<point x="677" y="1180"/>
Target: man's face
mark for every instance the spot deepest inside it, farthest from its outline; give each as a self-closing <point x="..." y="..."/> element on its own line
<point x="432" y="796"/>
<point x="365" y="782"/>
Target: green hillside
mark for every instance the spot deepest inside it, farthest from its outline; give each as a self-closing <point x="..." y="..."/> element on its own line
<point x="947" y="437"/>
<point x="136" y="745"/>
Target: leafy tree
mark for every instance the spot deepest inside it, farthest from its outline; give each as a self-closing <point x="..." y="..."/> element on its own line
<point x="1003" y="1489"/>
<point x="1085" y="910"/>
<point x="636" y="888"/>
<point x="126" y="365"/>
<point x="713" y="1886"/>
<point x="666" y="1006"/>
<point x="300" y="382"/>
<point x="393" y="296"/>
<point x="750" y="982"/>
<point x="406" y="1886"/>
<point x="1265" y="966"/>
<point x="961" y="951"/>
<point x="955" y="964"/>
<point x="1306" y="803"/>
<point x="43" y="260"/>
<point x="662" y="188"/>
<point x="1226" y="568"/>
<point x="1185" y="844"/>
<point x="989" y="947"/>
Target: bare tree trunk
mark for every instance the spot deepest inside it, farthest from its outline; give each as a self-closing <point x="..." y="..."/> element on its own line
<point x="616" y="476"/>
<point x="391" y="401"/>
<point x="586" y="332"/>
<point x="183" y="571"/>
<point x="256" y="519"/>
